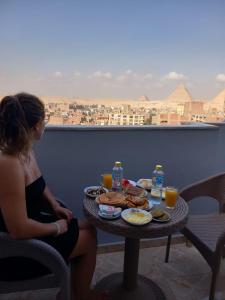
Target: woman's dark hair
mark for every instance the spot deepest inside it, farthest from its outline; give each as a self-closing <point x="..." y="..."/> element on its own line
<point x="18" y="115"/>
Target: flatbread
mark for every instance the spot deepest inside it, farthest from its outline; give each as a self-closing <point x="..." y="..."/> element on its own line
<point x="112" y="198"/>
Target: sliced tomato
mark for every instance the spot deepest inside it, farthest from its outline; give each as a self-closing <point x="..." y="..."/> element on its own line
<point x="125" y="182"/>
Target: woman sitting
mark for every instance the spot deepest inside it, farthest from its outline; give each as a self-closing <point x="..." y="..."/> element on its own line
<point x="23" y="192"/>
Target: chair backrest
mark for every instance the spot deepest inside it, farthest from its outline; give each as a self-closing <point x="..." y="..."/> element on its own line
<point x="213" y="186"/>
<point x="44" y="254"/>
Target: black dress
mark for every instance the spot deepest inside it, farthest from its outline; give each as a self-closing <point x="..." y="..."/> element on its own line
<point x="10" y="268"/>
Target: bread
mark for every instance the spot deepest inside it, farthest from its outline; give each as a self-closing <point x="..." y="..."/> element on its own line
<point x="121" y="200"/>
<point x="145" y="183"/>
<point x="135" y="191"/>
<point x="157" y="213"/>
<point x="112" y="198"/>
<point x="137" y="202"/>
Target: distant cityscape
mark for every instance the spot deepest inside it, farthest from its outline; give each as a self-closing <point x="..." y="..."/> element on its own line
<point x="179" y="107"/>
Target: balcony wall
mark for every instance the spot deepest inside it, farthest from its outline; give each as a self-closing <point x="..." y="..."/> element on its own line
<point x="72" y="158"/>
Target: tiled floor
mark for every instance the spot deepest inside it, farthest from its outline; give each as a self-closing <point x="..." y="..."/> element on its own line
<point x="185" y="277"/>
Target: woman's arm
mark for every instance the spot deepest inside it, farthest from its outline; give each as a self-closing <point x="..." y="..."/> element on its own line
<point x="60" y="211"/>
<point x="13" y="203"/>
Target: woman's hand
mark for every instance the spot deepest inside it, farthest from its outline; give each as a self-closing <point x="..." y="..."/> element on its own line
<point x="64" y="213"/>
<point x="62" y="226"/>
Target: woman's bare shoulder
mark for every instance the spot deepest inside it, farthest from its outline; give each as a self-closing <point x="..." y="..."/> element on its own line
<point x="9" y="162"/>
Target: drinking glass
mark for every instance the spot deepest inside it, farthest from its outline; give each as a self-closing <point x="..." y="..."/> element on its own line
<point x="107" y="181"/>
<point x="171" y="195"/>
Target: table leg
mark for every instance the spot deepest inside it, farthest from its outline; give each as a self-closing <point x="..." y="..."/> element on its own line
<point x="130" y="269"/>
<point x="129" y="285"/>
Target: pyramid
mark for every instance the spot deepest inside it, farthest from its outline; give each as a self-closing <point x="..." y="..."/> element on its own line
<point x="143" y="98"/>
<point x="217" y="102"/>
<point x="219" y="99"/>
<point x="180" y="95"/>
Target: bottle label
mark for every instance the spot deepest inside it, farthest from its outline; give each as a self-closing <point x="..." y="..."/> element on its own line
<point x="117" y="177"/>
<point x="159" y="180"/>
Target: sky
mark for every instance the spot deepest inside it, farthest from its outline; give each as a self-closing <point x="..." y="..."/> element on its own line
<point x="112" y="49"/>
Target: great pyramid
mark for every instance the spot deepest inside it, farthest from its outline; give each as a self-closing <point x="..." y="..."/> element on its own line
<point x="180" y="95"/>
<point x="219" y="99"/>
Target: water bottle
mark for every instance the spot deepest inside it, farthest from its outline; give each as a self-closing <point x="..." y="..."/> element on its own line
<point x="157" y="184"/>
<point x="117" y="176"/>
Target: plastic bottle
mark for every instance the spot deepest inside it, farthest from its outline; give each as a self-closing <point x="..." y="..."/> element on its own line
<point x="117" y="176"/>
<point x="157" y="184"/>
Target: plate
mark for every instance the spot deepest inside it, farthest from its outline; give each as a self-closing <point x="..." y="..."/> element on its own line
<point x="136" y="216"/>
<point x="108" y="217"/>
<point x="109" y="209"/>
<point x="88" y="189"/>
<point x="160" y="219"/>
<point x="145" y="183"/>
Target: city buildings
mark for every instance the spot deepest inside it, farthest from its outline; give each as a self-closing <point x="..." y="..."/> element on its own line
<point x="178" y="107"/>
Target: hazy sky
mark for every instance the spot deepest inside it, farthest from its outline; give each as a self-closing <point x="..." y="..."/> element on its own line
<point x="112" y="48"/>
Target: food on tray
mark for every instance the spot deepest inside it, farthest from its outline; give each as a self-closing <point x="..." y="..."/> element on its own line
<point x="134" y="191"/>
<point x="145" y="183"/>
<point x="122" y="200"/>
<point x="137" y="202"/>
<point x="157" y="213"/>
<point x="112" y="198"/>
<point x="137" y="217"/>
<point x="109" y="209"/>
<point x="95" y="191"/>
<point x="125" y="183"/>
<point x="160" y="214"/>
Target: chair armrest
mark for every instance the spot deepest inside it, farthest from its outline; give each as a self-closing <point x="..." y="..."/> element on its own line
<point x="213" y="186"/>
<point x="35" y="249"/>
<point x="220" y="245"/>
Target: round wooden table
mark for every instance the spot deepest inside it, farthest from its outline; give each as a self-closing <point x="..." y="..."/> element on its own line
<point x="130" y="285"/>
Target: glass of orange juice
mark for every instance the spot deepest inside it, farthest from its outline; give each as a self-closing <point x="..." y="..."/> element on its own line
<point x="107" y="181"/>
<point x="171" y="195"/>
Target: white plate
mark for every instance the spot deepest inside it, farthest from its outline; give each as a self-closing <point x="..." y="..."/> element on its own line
<point x="109" y="209"/>
<point x="145" y="183"/>
<point x="88" y="188"/>
<point x="162" y="221"/>
<point x="136" y="216"/>
<point x="108" y="217"/>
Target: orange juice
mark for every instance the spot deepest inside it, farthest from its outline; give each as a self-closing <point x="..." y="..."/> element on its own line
<point x="171" y="195"/>
<point x="107" y="181"/>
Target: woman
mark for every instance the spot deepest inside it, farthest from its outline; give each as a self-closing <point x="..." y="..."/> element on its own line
<point x="23" y="192"/>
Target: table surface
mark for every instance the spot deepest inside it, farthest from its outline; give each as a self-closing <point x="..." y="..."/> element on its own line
<point x="151" y="230"/>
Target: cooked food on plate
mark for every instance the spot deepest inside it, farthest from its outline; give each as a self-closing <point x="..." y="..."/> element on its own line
<point x="95" y="191"/>
<point x="123" y="200"/>
<point x="112" y="198"/>
<point x="160" y="215"/>
<point x="138" y="217"/>
<point x="134" y="191"/>
<point x="137" y="202"/>
<point x="145" y="183"/>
